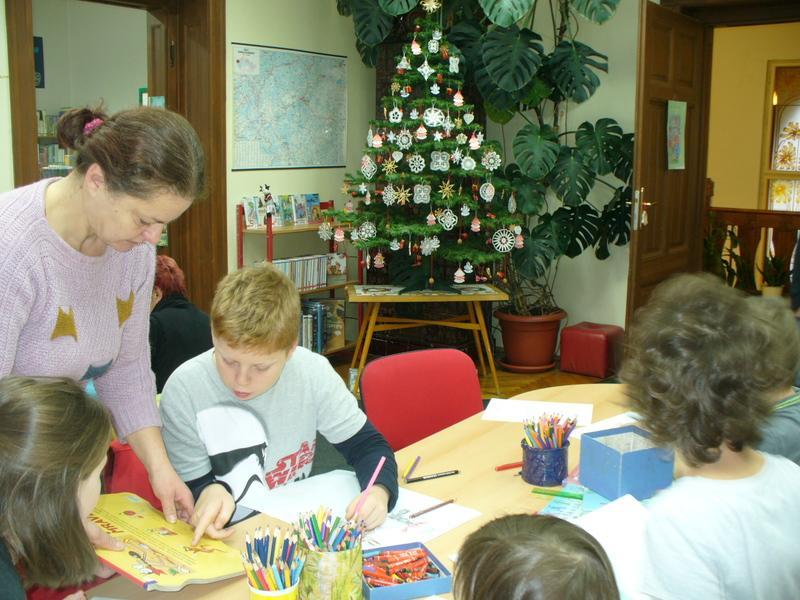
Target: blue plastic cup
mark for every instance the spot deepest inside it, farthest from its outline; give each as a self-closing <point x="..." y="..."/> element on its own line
<point x="544" y="466"/>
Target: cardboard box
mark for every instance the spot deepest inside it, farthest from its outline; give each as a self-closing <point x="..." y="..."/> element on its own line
<point x="418" y="589"/>
<point x="624" y="460"/>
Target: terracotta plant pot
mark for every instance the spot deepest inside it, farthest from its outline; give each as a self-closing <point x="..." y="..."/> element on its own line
<point x="529" y="342"/>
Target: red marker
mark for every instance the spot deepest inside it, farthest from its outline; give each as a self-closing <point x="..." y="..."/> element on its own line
<point x="507" y="466"/>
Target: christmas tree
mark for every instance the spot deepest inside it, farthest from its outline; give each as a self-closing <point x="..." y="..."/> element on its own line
<point x="425" y="192"/>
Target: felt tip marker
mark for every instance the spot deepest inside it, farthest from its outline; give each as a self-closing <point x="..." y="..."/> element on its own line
<point x="432" y="476"/>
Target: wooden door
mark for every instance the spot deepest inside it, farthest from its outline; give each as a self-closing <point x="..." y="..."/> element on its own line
<point x="186" y="63"/>
<point x="674" y="64"/>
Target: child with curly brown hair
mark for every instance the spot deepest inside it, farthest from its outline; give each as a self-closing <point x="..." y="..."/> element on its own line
<point x="702" y="369"/>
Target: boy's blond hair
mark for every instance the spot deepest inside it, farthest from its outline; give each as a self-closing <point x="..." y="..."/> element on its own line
<point x="256" y="308"/>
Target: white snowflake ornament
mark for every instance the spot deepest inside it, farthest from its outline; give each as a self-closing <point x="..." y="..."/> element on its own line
<point x="447" y="219"/>
<point x="487" y="191"/>
<point x="454" y="60"/>
<point x="468" y="163"/>
<point x="433" y="117"/>
<point x="429" y="245"/>
<point x="426" y="70"/>
<point x="395" y="115"/>
<point x="325" y="231"/>
<point x="391" y="137"/>
<point x="362" y="188"/>
<point x="389" y="194"/>
<point x="457" y="155"/>
<point x="491" y="160"/>
<point x="368" y="166"/>
<point x="435" y="89"/>
<point x="461" y="139"/>
<point x="437" y="136"/>
<point x="422" y="193"/>
<point x="416" y="163"/>
<point x="440" y="161"/>
<point x="503" y="240"/>
<point x="448" y="125"/>
<point x="404" y="139"/>
<point x="433" y="46"/>
<point x="464" y="210"/>
<point x="367" y="230"/>
<point x="468" y="268"/>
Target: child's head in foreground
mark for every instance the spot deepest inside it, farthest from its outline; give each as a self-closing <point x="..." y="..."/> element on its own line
<point x="255" y="318"/>
<point x="703" y="364"/>
<point x="53" y="443"/>
<point x="532" y="557"/>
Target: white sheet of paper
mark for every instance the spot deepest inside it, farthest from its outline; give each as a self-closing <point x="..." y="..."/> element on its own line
<point x="517" y="411"/>
<point x="627" y="418"/>
<point x="337" y="489"/>
<point x="619" y="527"/>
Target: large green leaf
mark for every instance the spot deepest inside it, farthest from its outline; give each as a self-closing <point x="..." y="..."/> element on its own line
<point x="506" y="12"/>
<point x="490" y="92"/>
<point x="540" y="250"/>
<point x="598" y="11"/>
<point x="498" y="115"/>
<point x="536" y="150"/>
<point x="571" y="66"/>
<point x="571" y="178"/>
<point x="512" y="56"/>
<point x="576" y="227"/>
<point x="615" y="223"/>
<point x="623" y="167"/>
<point x="396" y="7"/>
<point x="537" y="91"/>
<point x="343" y="6"/>
<point x="371" y="23"/>
<point x="600" y="144"/>
<point x="530" y="195"/>
<point x="369" y="54"/>
<point x="466" y="36"/>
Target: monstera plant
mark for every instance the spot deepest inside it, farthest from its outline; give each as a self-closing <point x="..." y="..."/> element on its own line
<point x="571" y="184"/>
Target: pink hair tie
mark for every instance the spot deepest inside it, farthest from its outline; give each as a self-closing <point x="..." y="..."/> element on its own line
<point x="91" y="126"/>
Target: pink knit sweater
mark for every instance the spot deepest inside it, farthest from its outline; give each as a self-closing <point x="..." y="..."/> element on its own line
<point x="66" y="314"/>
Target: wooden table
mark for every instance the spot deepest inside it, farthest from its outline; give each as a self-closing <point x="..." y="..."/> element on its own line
<point x="473" y="446"/>
<point x="473" y="320"/>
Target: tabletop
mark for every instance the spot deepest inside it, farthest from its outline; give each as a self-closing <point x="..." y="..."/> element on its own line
<point x="482" y="292"/>
<point x="473" y="446"/>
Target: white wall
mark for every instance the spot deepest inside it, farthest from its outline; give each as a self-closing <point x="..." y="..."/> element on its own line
<point x="587" y="288"/>
<point x="302" y="25"/>
<point x="93" y="52"/>
<point x="6" y="149"/>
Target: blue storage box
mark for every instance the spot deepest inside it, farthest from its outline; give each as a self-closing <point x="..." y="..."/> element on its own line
<point x="624" y="460"/>
<point x="418" y="589"/>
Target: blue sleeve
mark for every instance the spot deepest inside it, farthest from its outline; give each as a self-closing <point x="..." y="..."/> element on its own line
<point x="794" y="287"/>
<point x="363" y="450"/>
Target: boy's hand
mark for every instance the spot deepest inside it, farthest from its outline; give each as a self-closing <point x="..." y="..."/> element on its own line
<point x="213" y="509"/>
<point x="374" y="510"/>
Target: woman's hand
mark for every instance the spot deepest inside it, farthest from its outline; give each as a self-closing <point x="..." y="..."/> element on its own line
<point x="214" y="508"/>
<point x="374" y="510"/>
<point x="176" y="499"/>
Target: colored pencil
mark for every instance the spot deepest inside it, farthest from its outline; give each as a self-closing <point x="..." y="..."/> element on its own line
<point x="275" y="562"/>
<point x="410" y="469"/>
<point x="430" y="508"/>
<point x="507" y="466"/>
<point x="372" y="479"/>
<point x="559" y="493"/>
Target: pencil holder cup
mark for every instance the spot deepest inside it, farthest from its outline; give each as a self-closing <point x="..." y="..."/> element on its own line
<point x="544" y="466"/>
<point x="332" y="575"/>
<point x="287" y="594"/>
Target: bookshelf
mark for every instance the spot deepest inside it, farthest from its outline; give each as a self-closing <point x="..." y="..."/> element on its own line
<point x="268" y="232"/>
<point x="53" y="160"/>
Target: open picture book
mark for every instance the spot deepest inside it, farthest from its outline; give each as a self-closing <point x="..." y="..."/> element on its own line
<point x="159" y="555"/>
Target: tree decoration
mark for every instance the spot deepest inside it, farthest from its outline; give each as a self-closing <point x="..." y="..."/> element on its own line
<point x="404" y="139"/>
<point x="389" y="167"/>
<point x="468" y="268"/>
<point x="416" y="163"/>
<point x="367" y="230"/>
<point x="379" y="262"/>
<point x="487" y="191"/>
<point x="431" y="219"/>
<point x="447" y="219"/>
<point x="395" y="115"/>
<point x="458" y="276"/>
<point x="422" y="193"/>
<point x="491" y="160"/>
<point x="429" y="245"/>
<point x="503" y="240"/>
<point x="325" y="231"/>
<point x="338" y="235"/>
<point x="447" y="189"/>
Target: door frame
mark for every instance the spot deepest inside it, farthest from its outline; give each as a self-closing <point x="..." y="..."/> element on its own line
<point x="195" y="88"/>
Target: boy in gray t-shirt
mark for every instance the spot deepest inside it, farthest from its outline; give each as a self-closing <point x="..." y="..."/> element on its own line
<point x="242" y="418"/>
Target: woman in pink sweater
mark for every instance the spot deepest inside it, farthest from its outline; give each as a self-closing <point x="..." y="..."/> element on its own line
<point x="77" y="257"/>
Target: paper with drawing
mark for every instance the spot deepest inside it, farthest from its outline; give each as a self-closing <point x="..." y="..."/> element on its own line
<point x="338" y="488"/>
<point x="517" y="411"/>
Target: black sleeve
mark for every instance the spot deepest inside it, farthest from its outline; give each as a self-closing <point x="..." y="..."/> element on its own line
<point x="198" y="485"/>
<point x="794" y="288"/>
<point x="363" y="451"/>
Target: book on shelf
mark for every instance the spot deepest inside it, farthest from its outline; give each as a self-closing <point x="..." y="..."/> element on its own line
<point x="313" y="209"/>
<point x="334" y="324"/>
<point x="159" y="555"/>
<point x="299" y="209"/>
<point x="284" y="208"/>
<point x="322" y="326"/>
<point x="337" y="268"/>
<point x="307" y="272"/>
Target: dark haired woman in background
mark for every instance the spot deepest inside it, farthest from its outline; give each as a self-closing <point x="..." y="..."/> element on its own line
<point x="178" y="329"/>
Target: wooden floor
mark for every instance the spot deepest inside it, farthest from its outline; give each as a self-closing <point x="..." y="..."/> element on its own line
<point x="510" y="383"/>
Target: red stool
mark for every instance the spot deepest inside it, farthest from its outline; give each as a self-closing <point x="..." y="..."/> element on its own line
<point x="591" y="349"/>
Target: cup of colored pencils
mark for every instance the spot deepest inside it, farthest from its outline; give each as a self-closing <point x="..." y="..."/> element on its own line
<point x="273" y="563"/>
<point x="544" y="449"/>
<point x="333" y="556"/>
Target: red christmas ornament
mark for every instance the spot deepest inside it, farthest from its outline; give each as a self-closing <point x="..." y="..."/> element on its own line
<point x="439" y="78"/>
<point x="445" y="52"/>
<point x="417" y="28"/>
<point x="449" y="91"/>
<point x="409" y="89"/>
<point x="354" y="194"/>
